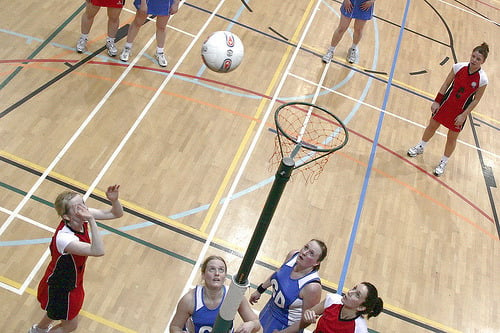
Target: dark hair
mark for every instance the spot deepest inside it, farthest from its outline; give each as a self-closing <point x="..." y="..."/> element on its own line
<point x="205" y="263"/>
<point x="373" y="304"/>
<point x="324" y="251"/>
<point x="483" y="49"/>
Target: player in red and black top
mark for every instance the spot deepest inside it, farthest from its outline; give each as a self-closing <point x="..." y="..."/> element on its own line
<point x="460" y="93"/>
<point x="344" y="313"/>
<point x="60" y="292"/>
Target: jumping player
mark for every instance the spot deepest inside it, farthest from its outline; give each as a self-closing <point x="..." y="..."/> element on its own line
<point x="461" y="91"/>
<point x="344" y="313"/>
<point x="296" y="287"/>
<point x="60" y="292"/>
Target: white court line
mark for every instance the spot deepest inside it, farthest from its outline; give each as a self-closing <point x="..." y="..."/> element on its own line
<point x="258" y="134"/>
<point x="468" y="12"/>
<point x="391" y="114"/>
<point x="27" y="219"/>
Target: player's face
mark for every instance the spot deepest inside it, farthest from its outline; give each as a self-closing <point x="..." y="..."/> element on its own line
<point x="476" y="59"/>
<point x="71" y="214"/>
<point x="309" y="254"/>
<point x="215" y="273"/>
<point x="355" y="297"/>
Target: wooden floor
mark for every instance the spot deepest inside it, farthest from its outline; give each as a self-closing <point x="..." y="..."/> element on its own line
<point x="191" y="151"/>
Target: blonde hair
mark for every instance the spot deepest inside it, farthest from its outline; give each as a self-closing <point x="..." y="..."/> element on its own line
<point x="62" y="200"/>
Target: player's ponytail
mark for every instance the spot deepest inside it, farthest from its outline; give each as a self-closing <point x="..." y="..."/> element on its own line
<point x="483" y="49"/>
<point x="373" y="304"/>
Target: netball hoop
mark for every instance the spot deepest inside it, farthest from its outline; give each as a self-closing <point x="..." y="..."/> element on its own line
<point x="308" y="134"/>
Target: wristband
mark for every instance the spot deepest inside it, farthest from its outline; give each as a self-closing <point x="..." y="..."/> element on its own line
<point x="261" y="289"/>
<point x="439" y="98"/>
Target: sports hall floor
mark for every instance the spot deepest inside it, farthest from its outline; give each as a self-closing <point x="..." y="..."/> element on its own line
<point x="191" y="151"/>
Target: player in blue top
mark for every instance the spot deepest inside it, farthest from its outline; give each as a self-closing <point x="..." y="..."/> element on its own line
<point x="197" y="310"/>
<point x="359" y="10"/>
<point x="296" y="287"/>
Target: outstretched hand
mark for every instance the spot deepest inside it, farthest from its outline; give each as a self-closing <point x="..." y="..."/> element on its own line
<point x="113" y="192"/>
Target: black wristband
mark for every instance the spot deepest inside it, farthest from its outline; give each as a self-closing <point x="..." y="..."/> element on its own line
<point x="261" y="289"/>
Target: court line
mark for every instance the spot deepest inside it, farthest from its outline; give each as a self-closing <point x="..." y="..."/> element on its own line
<point x="228" y="247"/>
<point x="361" y="201"/>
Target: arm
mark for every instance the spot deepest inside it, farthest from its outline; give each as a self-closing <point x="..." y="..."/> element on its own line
<point x="310" y="315"/>
<point x="251" y="322"/>
<point x="116" y="210"/>
<point x="183" y="311"/>
<point x="460" y="119"/>
<point x="311" y="296"/>
<point x="94" y="249"/>
<point x="175" y="7"/>
<point x="255" y="296"/>
<point x="446" y="84"/>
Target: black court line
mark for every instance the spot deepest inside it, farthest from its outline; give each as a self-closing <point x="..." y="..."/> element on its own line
<point x="122" y="32"/>
<point x="418" y="72"/>
<point x="247" y="6"/>
<point x="277" y="33"/>
<point x="375" y="72"/>
<point x="444" y="61"/>
<point x="181" y="232"/>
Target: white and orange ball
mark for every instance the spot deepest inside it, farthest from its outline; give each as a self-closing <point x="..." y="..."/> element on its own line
<point x="222" y="52"/>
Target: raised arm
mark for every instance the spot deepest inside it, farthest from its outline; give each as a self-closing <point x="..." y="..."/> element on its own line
<point x="116" y="210"/>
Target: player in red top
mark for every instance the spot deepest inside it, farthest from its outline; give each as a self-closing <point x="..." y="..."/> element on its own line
<point x="60" y="292"/>
<point x="460" y="93"/>
<point x="344" y="313"/>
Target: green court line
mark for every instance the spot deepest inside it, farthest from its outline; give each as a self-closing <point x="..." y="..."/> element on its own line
<point x="42" y="46"/>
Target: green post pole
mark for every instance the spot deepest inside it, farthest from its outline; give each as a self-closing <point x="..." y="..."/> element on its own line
<point x="225" y="317"/>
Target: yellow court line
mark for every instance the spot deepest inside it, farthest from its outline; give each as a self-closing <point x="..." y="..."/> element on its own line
<point x="84" y="313"/>
<point x="225" y="243"/>
<point x="250" y="129"/>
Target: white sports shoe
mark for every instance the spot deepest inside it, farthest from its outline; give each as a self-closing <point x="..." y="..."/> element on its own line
<point x="112" y="50"/>
<point x="327" y="58"/>
<point x="81" y="44"/>
<point x="414" y="151"/>
<point x="353" y="55"/>
<point x="35" y="329"/>
<point x="125" y="55"/>
<point x="160" y="57"/>
<point x="440" y="168"/>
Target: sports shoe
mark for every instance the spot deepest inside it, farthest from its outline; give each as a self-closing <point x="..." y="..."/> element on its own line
<point x="327" y="58"/>
<point x="36" y="329"/>
<point x="440" y="169"/>
<point x="353" y="55"/>
<point x="414" y="151"/>
<point x="125" y="54"/>
<point x="112" y="50"/>
<point x="161" y="59"/>
<point x="81" y="44"/>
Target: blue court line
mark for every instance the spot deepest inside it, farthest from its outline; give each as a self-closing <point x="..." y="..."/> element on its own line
<point x="361" y="202"/>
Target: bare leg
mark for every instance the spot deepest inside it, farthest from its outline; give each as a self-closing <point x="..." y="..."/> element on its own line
<point x="113" y="21"/>
<point x="341" y="29"/>
<point x="135" y="26"/>
<point x="451" y="143"/>
<point x="359" y="26"/>
<point x="161" y="30"/>
<point x="44" y="322"/>
<point x="88" y="17"/>
<point x="430" y="130"/>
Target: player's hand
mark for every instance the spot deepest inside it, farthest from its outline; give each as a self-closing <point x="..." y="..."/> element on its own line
<point x="254" y="298"/>
<point x="347" y="5"/>
<point x="244" y="328"/>
<point x="434" y="107"/>
<point x="113" y="192"/>
<point x="367" y="4"/>
<point x="83" y="213"/>
<point x="460" y="120"/>
<point x="309" y="316"/>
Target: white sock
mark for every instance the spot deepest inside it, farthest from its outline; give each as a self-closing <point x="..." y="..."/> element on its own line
<point x="159" y="50"/>
<point x="444" y="159"/>
<point x="354" y="46"/>
<point x="331" y="48"/>
<point x="110" y="39"/>
<point x="422" y="144"/>
<point x="86" y="36"/>
<point x="128" y="45"/>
